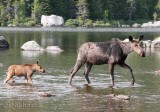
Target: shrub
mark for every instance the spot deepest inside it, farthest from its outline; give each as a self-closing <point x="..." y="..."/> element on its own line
<point x="71" y="22"/>
<point x="88" y="23"/>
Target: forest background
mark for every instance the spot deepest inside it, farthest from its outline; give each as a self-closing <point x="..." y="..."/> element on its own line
<point x="87" y="13"/>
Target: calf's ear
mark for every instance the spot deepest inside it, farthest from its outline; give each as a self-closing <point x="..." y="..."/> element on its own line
<point x="37" y="62"/>
<point x="140" y="38"/>
<point x="130" y="38"/>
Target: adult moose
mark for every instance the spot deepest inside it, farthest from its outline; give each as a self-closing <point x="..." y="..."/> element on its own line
<point x="110" y="52"/>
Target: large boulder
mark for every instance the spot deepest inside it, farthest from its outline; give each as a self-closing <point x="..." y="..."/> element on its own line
<point x="136" y="25"/>
<point x="31" y="46"/>
<point x="52" y="20"/>
<point x="151" y="24"/>
<point x="3" y="42"/>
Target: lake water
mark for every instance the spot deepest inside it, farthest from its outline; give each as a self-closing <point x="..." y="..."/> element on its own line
<point x="18" y="97"/>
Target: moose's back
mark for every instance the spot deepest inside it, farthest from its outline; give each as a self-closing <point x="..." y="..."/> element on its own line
<point x="101" y="52"/>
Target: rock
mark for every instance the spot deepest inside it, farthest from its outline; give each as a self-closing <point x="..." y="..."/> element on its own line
<point x="122" y="97"/>
<point x="52" y="20"/>
<point x="3" y="42"/>
<point x="156" y="39"/>
<point x="151" y="24"/>
<point x="54" y="48"/>
<point x="147" y="43"/>
<point x="118" y="97"/>
<point x="31" y="46"/>
<point x="46" y="94"/>
<point x="136" y="25"/>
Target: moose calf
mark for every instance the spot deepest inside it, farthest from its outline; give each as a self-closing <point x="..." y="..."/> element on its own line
<point x="25" y="70"/>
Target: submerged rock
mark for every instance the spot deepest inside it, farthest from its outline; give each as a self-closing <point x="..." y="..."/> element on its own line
<point x="3" y="42"/>
<point x="122" y="97"/>
<point x="54" y="48"/>
<point x="31" y="46"/>
<point x="118" y="97"/>
<point x="42" y="94"/>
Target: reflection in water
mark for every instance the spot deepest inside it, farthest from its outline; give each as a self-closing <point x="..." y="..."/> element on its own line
<point x="30" y="54"/>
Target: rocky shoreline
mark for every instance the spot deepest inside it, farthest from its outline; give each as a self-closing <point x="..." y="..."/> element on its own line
<point x="79" y="29"/>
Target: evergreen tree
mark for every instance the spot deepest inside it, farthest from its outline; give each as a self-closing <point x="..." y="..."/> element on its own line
<point x="157" y="7"/>
<point x="141" y="11"/>
<point x="131" y="8"/>
<point x="96" y="9"/>
<point x="46" y="8"/>
<point x="36" y="9"/>
<point x="82" y="9"/>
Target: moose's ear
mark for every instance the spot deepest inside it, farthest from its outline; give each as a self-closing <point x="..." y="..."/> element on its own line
<point x="130" y="38"/>
<point x="141" y="37"/>
<point x="37" y="62"/>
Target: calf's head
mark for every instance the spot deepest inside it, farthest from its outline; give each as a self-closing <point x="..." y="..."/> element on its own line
<point x="136" y="45"/>
<point x="39" y="68"/>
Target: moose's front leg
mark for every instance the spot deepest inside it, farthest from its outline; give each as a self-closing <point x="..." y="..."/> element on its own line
<point x="111" y="71"/>
<point x="29" y="79"/>
<point x="131" y="71"/>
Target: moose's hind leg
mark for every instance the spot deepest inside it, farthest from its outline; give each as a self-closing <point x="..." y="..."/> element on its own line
<point x="77" y="66"/>
<point x="86" y="72"/>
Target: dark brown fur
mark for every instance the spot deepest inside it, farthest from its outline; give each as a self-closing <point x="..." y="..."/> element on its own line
<point x="111" y="52"/>
<point x="25" y="70"/>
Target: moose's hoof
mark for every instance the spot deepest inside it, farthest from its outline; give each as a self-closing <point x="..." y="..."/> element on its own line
<point x="132" y="82"/>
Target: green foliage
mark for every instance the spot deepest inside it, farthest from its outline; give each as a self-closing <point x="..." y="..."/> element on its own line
<point x="46" y="8"/>
<point x="86" y="12"/>
<point x="36" y="9"/>
<point x="101" y="24"/>
<point x="88" y="23"/>
<point x="24" y="22"/>
<point x="154" y="16"/>
<point x="72" y="22"/>
<point x="157" y="7"/>
<point x="82" y="9"/>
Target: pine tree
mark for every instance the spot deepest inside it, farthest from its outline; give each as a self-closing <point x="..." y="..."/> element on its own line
<point x="82" y="9"/>
<point x="46" y="8"/>
<point x="36" y="9"/>
<point x="157" y="7"/>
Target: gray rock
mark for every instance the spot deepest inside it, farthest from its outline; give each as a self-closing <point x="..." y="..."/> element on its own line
<point x="136" y="25"/>
<point x="3" y="42"/>
<point x="31" y="46"/>
<point x="147" y="43"/>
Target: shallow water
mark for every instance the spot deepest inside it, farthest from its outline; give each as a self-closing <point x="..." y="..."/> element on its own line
<point x="19" y="96"/>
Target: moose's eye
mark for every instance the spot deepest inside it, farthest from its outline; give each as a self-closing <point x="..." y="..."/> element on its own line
<point x="135" y="45"/>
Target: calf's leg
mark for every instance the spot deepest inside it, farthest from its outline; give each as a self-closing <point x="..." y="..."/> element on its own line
<point x="87" y="70"/>
<point x="9" y="77"/>
<point x="29" y="80"/>
<point x="131" y="71"/>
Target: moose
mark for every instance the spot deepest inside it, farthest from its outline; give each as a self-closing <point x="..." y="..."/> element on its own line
<point x="25" y="70"/>
<point x="113" y="52"/>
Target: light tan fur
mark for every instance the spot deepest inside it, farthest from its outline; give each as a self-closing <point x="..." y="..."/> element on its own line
<point x="25" y="70"/>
